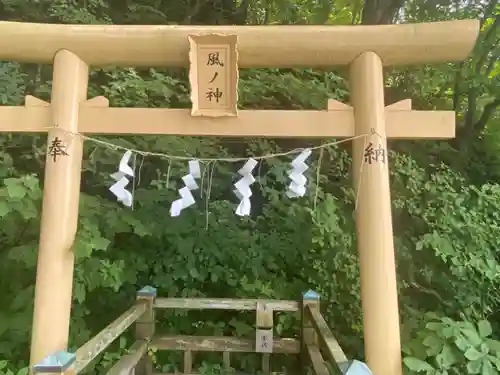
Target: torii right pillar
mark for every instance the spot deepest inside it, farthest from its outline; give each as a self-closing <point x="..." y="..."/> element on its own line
<point x="379" y="292"/>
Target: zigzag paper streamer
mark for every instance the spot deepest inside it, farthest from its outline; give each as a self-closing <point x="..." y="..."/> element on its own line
<point x="297" y="187"/>
<point x="118" y="188"/>
<point x="186" y="200"/>
<point x="243" y="191"/>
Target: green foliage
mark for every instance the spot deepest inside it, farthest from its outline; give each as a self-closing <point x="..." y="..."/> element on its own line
<point x="4" y="369"/>
<point x="446" y="199"/>
<point x="446" y="346"/>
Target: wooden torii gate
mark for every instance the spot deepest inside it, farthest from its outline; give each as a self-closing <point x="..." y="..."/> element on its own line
<point x="366" y="49"/>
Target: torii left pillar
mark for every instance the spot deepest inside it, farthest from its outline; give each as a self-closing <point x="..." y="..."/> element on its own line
<point x="54" y="276"/>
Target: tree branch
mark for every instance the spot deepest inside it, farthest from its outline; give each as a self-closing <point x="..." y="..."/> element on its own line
<point x="493" y="60"/>
<point x="488" y="10"/>
<point x="390" y="12"/>
<point x="240" y="16"/>
<point x="456" y="89"/>
<point x="471" y="108"/>
<point x="193" y="12"/>
<point x="488" y="111"/>
<point x="489" y="34"/>
<point x="356" y="10"/>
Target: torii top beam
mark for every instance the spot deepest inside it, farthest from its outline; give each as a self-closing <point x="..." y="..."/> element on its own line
<point x="258" y="46"/>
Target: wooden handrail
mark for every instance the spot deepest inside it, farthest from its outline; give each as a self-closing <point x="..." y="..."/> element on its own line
<point x="220" y="343"/>
<point x="317" y="362"/>
<point x="224" y="304"/>
<point x="92" y="348"/>
<point x="128" y="362"/>
<point x="142" y="313"/>
<point x="327" y="342"/>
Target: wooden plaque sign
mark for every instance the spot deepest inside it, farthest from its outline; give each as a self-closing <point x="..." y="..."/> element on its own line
<point x="213" y="75"/>
<point x="264" y="329"/>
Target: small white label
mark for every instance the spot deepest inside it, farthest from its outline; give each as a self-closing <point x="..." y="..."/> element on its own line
<point x="264" y="341"/>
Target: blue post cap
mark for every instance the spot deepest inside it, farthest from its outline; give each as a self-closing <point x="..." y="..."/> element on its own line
<point x="55" y="363"/>
<point x="310" y="295"/>
<point x="354" y="367"/>
<point x="147" y="291"/>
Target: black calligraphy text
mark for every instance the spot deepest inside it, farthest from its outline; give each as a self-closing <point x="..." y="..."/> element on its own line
<point x="215" y="76"/>
<point x="57" y="148"/>
<point x="263" y="343"/>
<point x="214" y="59"/>
<point x="374" y="155"/>
<point x="214" y="95"/>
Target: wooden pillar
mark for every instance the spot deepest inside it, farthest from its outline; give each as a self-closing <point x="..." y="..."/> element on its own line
<point x="374" y="218"/>
<point x="308" y="334"/>
<point x="264" y="327"/>
<point x="54" y="276"/>
<point x="145" y="328"/>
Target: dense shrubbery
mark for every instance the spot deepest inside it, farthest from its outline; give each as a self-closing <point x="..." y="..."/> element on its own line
<point x="446" y="201"/>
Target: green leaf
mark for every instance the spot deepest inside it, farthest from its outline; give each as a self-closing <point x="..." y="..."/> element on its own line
<point x="4" y="208"/>
<point x="472" y="354"/>
<point x="493" y="345"/>
<point x="461" y="343"/>
<point x="433" y="341"/>
<point x="3" y="364"/>
<point x="472" y="336"/>
<point x="484" y="348"/>
<point x="434" y="345"/>
<point x="474" y="367"/>
<point x="448" y="356"/>
<point x="484" y="328"/>
<point x="488" y="368"/>
<point x="417" y="365"/>
<point x="434" y="326"/>
<point x="82" y="249"/>
<point x="100" y="243"/>
<point x="15" y="188"/>
<point x="495" y="361"/>
<point x="79" y="292"/>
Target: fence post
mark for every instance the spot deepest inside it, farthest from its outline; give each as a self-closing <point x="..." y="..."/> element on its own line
<point x="308" y="334"/>
<point x="59" y="363"/>
<point x="264" y="334"/>
<point x="145" y="328"/>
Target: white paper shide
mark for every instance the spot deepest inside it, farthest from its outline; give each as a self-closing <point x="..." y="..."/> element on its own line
<point x="186" y="197"/>
<point x="242" y="187"/>
<point x="119" y="187"/>
<point x="297" y="187"/>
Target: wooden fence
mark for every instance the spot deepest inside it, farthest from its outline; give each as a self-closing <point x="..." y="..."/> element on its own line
<point x="316" y="346"/>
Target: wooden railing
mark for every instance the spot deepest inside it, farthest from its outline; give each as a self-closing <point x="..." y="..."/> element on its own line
<point x="264" y="342"/>
<point x="317" y="347"/>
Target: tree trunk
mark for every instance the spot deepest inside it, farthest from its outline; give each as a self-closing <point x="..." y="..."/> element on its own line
<point x="380" y="12"/>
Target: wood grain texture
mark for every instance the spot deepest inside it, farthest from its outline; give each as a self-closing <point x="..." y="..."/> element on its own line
<point x="315" y="358"/>
<point x="226" y="360"/>
<point x="144" y="330"/>
<point x="264" y="316"/>
<point x="326" y="340"/>
<point x="128" y="361"/>
<point x="249" y="123"/>
<point x="224" y="304"/>
<point x="86" y="353"/>
<point x="188" y="362"/>
<point x="220" y="344"/>
<point x="259" y="46"/>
